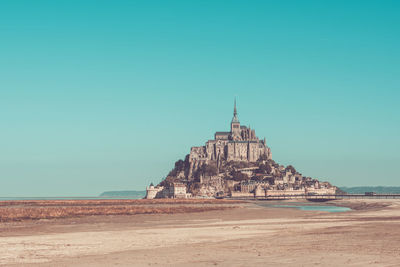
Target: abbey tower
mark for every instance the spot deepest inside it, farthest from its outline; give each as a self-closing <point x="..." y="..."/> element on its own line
<point x="235" y="124"/>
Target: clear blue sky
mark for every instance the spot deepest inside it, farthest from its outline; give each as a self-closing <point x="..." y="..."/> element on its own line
<point x="107" y="95"/>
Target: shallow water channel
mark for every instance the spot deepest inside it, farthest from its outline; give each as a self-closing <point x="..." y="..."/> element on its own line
<point x="304" y="206"/>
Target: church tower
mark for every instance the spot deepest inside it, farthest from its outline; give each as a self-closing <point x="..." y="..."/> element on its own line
<point x="235" y="124"/>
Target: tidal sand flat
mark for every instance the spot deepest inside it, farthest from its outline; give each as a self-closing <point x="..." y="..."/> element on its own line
<point x="222" y="233"/>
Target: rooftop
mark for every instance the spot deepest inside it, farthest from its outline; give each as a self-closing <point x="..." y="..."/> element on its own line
<point x="222" y="133"/>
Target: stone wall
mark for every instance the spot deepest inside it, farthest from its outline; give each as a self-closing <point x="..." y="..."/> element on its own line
<point x="151" y="191"/>
<point x="284" y="192"/>
<point x="321" y="191"/>
<point x="241" y="194"/>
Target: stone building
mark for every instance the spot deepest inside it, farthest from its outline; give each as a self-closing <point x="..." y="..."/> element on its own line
<point x="178" y="190"/>
<point x="239" y="144"/>
<point x="153" y="192"/>
<point x="249" y="186"/>
<point x="175" y="190"/>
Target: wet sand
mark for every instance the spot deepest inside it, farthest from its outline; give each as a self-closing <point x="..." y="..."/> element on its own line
<point x="247" y="235"/>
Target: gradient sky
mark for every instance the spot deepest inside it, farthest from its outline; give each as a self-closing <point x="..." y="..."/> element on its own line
<point x="107" y="95"/>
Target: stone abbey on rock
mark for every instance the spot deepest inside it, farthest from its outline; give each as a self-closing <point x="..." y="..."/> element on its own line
<point x="235" y="164"/>
<point x="239" y="144"/>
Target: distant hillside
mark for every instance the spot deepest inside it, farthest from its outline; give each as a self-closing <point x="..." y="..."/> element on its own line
<point x="129" y="194"/>
<point x="376" y="189"/>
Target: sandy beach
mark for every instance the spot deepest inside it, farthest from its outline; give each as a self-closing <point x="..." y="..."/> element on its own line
<point x="243" y="234"/>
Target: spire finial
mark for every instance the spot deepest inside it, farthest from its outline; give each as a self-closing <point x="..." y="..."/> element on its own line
<point x="235" y="118"/>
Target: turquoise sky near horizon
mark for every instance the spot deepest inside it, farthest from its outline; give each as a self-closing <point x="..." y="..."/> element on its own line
<point x="107" y="95"/>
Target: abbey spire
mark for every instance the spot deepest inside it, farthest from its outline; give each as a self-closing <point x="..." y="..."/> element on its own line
<point x="235" y="124"/>
<point x="235" y="117"/>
